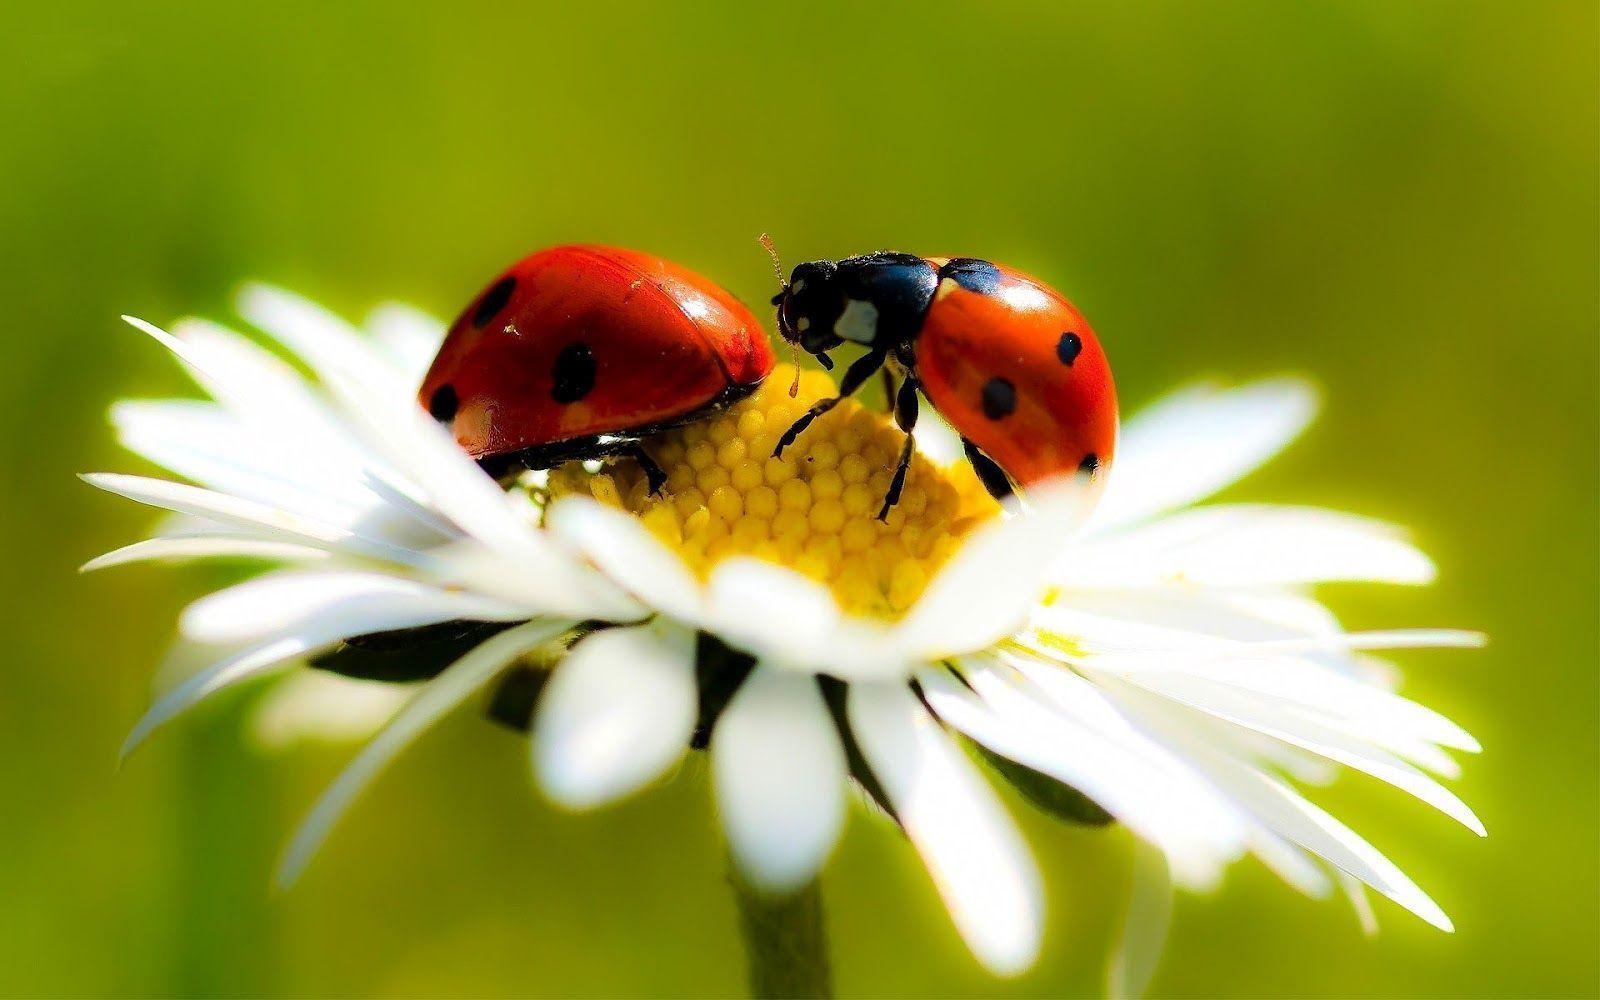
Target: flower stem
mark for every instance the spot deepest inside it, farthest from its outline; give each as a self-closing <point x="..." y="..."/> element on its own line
<point x="785" y="941"/>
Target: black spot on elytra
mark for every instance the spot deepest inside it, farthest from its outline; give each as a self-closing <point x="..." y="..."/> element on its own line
<point x="999" y="398"/>
<point x="972" y="274"/>
<point x="442" y="405"/>
<point x="574" y="373"/>
<point x="1090" y="464"/>
<point x="493" y="301"/>
<point x="1068" y="348"/>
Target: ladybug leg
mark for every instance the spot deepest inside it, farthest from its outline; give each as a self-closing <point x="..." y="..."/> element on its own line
<point x="854" y="377"/>
<point x="992" y="477"/>
<point x="888" y="388"/>
<point x="905" y="414"/>
<point x="652" y="472"/>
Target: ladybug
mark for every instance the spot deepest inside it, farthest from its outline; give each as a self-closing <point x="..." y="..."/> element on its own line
<point x="1005" y="358"/>
<point x="579" y="352"/>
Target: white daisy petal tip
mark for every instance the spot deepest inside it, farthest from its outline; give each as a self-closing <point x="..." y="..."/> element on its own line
<point x="777" y="614"/>
<point x="615" y="715"/>
<point x="145" y="326"/>
<point x="619" y="545"/>
<point x="1198" y="440"/>
<point x="779" y="773"/>
<point x="977" y="857"/>
<point x="177" y="547"/>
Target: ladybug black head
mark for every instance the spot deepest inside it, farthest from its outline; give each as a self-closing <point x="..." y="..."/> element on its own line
<point x="809" y="305"/>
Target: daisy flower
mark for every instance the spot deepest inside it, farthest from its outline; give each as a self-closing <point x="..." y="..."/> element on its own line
<point x="1155" y="663"/>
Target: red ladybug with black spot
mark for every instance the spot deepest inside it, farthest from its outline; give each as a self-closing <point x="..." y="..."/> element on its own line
<point x="1012" y="364"/>
<point x="579" y="352"/>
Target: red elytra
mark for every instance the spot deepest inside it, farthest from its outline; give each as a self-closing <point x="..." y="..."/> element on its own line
<point x="579" y="351"/>
<point x="1062" y="412"/>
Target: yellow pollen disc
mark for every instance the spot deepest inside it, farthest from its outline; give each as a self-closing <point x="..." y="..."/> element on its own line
<point x="815" y="510"/>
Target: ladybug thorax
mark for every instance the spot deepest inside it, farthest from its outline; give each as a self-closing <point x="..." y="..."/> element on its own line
<point x="877" y="299"/>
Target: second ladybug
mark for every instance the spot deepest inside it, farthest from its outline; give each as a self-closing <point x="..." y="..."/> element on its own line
<point x="1005" y="358"/>
<point x="579" y="352"/>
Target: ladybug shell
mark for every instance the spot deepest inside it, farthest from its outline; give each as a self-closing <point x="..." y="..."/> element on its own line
<point x="578" y="341"/>
<point x="1018" y="371"/>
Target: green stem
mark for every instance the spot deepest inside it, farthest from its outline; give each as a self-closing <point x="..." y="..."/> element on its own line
<point x="785" y="941"/>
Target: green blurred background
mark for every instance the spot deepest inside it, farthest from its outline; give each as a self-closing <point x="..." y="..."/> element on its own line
<point x="1400" y="198"/>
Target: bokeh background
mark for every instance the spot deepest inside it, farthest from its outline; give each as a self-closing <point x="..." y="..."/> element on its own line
<point x="1400" y="198"/>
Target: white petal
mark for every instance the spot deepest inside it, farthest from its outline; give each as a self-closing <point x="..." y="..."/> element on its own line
<point x="265" y="395"/>
<point x="621" y="546"/>
<point x="319" y="705"/>
<point x="410" y="336"/>
<point x="1362" y="707"/>
<point x="324" y="341"/>
<point x="436" y="699"/>
<point x="617" y="712"/>
<point x="988" y="587"/>
<point x="249" y="381"/>
<point x="779" y="772"/>
<point x="399" y="495"/>
<point x="1283" y="810"/>
<point x="1333" y="686"/>
<point x="347" y="601"/>
<point x="1228" y="614"/>
<point x="977" y="858"/>
<point x="1247" y="545"/>
<point x="541" y="578"/>
<point x="1190" y="445"/>
<point x="204" y="443"/>
<point x="236" y="512"/>
<point x="1303" y="730"/>
<point x="1290" y="863"/>
<point x="1134" y="779"/>
<point x="1296" y="819"/>
<point x="791" y="622"/>
<point x="380" y="399"/>
<point x="208" y="546"/>
<point x="1356" y="892"/>
<point x="1144" y="926"/>
<point x="1394" y="638"/>
<point x="242" y="666"/>
<point x="434" y="466"/>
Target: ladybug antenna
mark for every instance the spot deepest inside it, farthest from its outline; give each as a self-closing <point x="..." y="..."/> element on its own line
<point x="777" y="272"/>
<point x="772" y="251"/>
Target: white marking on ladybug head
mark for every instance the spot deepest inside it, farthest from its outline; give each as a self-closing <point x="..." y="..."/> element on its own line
<point x="858" y="322"/>
<point x="803" y="324"/>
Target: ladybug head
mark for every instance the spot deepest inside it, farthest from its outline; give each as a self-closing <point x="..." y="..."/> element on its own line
<point x="809" y="305"/>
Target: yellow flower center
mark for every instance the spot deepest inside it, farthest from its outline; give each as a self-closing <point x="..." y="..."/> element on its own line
<point x="814" y="510"/>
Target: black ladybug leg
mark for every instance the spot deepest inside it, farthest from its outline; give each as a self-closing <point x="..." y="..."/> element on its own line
<point x="990" y="475"/>
<point x="857" y="374"/>
<point x="888" y="388"/>
<point x="652" y="472"/>
<point x="905" y="414"/>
